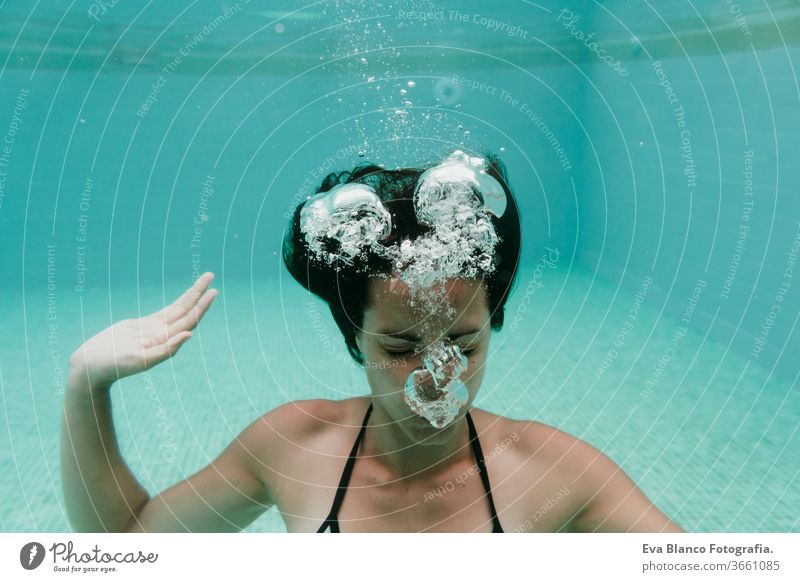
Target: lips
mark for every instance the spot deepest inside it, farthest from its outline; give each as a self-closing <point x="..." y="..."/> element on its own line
<point x="424" y="385"/>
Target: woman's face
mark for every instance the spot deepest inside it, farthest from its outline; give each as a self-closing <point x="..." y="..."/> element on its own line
<point x="397" y="333"/>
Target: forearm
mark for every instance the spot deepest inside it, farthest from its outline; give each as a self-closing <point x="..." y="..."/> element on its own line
<point x="101" y="492"/>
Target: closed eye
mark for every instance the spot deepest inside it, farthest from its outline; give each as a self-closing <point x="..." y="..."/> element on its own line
<point x="465" y="351"/>
<point x="398" y="352"/>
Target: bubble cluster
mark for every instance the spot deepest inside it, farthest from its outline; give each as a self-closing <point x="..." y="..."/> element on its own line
<point x="350" y="216"/>
<point x="455" y="198"/>
<point x="435" y="392"/>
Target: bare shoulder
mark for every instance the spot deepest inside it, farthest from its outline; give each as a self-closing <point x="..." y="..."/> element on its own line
<point x="603" y="497"/>
<point x="297" y="421"/>
<point x="303" y="416"/>
<point x="558" y="446"/>
<point x="300" y="429"/>
<point x="537" y="439"/>
<point x="532" y="468"/>
<point x="580" y="465"/>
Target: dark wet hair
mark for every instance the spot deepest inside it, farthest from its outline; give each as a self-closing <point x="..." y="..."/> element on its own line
<point x="345" y="290"/>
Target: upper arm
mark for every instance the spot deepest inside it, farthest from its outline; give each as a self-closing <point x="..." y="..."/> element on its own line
<point x="614" y="502"/>
<point x="225" y="496"/>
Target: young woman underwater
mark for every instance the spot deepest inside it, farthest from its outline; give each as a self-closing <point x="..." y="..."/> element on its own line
<point x="416" y="266"/>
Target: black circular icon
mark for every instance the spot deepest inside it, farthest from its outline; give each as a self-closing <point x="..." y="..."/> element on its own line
<point x="31" y="555"/>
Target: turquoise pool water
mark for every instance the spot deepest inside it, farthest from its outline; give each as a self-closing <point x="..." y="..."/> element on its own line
<point x="140" y="146"/>
<point x="713" y="444"/>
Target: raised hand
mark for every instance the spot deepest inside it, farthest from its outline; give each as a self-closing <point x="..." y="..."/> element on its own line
<point x="131" y="346"/>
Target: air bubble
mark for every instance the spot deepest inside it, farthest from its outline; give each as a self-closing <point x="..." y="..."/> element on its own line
<point x="435" y="392"/>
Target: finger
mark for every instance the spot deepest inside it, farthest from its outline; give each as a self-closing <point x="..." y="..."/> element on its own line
<point x="178" y="340"/>
<point x="191" y="319"/>
<point x="165" y="350"/>
<point x="189" y="299"/>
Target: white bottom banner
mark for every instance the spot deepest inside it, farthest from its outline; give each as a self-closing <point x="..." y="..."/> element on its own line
<point x="387" y="557"/>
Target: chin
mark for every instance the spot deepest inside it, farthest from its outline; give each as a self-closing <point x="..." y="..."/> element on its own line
<point x="436" y="435"/>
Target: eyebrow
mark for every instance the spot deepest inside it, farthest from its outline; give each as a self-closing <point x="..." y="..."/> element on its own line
<point x="413" y="338"/>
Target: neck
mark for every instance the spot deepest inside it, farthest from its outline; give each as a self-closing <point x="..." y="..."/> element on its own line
<point x="409" y="449"/>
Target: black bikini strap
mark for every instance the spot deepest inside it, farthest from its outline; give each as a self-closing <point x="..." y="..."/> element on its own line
<point x="332" y="519"/>
<point x="476" y="448"/>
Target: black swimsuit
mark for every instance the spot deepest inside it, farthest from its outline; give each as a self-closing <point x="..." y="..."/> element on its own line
<point x="332" y="519"/>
